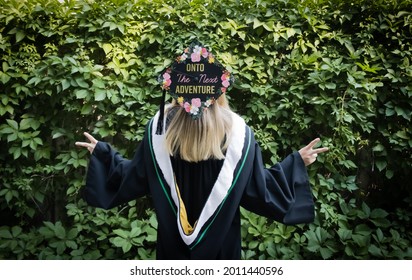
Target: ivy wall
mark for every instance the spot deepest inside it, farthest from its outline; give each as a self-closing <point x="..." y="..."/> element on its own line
<point x="339" y="70"/>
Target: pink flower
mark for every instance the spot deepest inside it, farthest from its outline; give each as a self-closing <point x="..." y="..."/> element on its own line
<point x="166" y="76"/>
<point x="225" y="83"/>
<point x="205" y="53"/>
<point x="225" y="79"/>
<point x="187" y="106"/>
<point x="166" y="80"/>
<point x="196" y="102"/>
<point x="223" y="89"/>
<point x="167" y="83"/>
<point x="195" y="57"/>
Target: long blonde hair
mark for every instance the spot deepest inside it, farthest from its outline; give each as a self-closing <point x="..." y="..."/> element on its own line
<point x="201" y="139"/>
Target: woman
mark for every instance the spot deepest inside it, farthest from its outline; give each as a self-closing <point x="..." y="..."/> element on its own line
<point x="203" y="165"/>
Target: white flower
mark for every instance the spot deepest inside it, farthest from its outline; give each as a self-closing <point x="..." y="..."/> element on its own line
<point x="208" y="103"/>
<point x="197" y="50"/>
<point x="194" y="110"/>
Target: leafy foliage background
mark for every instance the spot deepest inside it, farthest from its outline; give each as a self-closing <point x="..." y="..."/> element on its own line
<point x="340" y="70"/>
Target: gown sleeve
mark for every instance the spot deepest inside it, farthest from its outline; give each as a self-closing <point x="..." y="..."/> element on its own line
<point x="281" y="192"/>
<point x="112" y="180"/>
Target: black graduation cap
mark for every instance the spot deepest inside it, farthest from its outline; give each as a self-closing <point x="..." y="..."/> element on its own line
<point x="195" y="79"/>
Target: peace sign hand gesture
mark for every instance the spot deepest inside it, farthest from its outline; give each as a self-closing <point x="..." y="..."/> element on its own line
<point x="90" y="146"/>
<point x="309" y="154"/>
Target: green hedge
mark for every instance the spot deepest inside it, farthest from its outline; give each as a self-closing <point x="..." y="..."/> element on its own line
<point x="340" y="70"/>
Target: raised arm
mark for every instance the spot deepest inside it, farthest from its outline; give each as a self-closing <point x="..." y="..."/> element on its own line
<point x="282" y="192"/>
<point x="111" y="179"/>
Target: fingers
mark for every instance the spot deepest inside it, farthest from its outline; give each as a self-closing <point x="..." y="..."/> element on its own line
<point x="91" y="138"/>
<point x="313" y="143"/>
<point x="89" y="146"/>
<point x="83" y="144"/>
<point x="320" y="150"/>
<point x="309" y="154"/>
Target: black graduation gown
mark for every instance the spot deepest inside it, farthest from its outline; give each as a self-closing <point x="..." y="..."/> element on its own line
<point x="281" y="192"/>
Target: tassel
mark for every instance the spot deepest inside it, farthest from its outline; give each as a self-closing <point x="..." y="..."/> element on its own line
<point x="159" y="129"/>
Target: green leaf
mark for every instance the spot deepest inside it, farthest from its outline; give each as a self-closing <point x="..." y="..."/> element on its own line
<point x="60" y="247"/>
<point x="98" y="83"/>
<point x="379" y="235"/>
<point x="253" y="231"/>
<point x="349" y="251"/>
<point x="118" y="241"/>
<point x="4" y="78"/>
<point x="121" y="233"/>
<point x="381" y="165"/>
<point x="26" y="123"/>
<point x="57" y="135"/>
<point x="46" y="232"/>
<point x="12" y="137"/>
<point x="126" y="247"/>
<point x="326" y="253"/>
<point x="378" y="148"/>
<point x="13" y="124"/>
<point x="290" y="32"/>
<point x="5" y="233"/>
<point x="80" y="94"/>
<point x="361" y="240"/>
<point x="59" y="231"/>
<point x="65" y="84"/>
<point x="363" y="229"/>
<point x="107" y="48"/>
<point x="256" y="23"/>
<point x="135" y="232"/>
<point x="151" y="235"/>
<point x="20" y="34"/>
<point x="374" y="250"/>
<point x="402" y="134"/>
<point x="345" y="234"/>
<point x="99" y="95"/>
<point x="253" y="244"/>
<point x="71" y="244"/>
<point x="72" y="233"/>
<point x="82" y="83"/>
<point x="86" y="109"/>
<point x="249" y="254"/>
<point x="153" y="221"/>
<point x="389" y="174"/>
<point x="381" y="222"/>
<point x="378" y="213"/>
<point x="5" y="66"/>
<point x="366" y="209"/>
<point x="330" y="85"/>
<point x="7" y="130"/>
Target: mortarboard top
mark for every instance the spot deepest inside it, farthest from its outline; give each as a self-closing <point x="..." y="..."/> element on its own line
<point x="195" y="79"/>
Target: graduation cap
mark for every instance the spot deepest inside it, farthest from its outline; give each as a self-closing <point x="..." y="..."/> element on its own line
<point x="195" y="79"/>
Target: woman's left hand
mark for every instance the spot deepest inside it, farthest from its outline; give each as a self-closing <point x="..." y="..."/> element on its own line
<point x="309" y="154"/>
<point x="90" y="146"/>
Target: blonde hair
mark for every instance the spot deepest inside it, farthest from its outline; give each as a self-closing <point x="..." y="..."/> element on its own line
<point x="201" y="139"/>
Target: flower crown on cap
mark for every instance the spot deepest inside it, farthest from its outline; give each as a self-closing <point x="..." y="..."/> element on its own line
<point x="196" y="79"/>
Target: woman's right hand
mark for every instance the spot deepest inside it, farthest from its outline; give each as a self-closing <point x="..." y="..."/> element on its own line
<point x="90" y="146"/>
